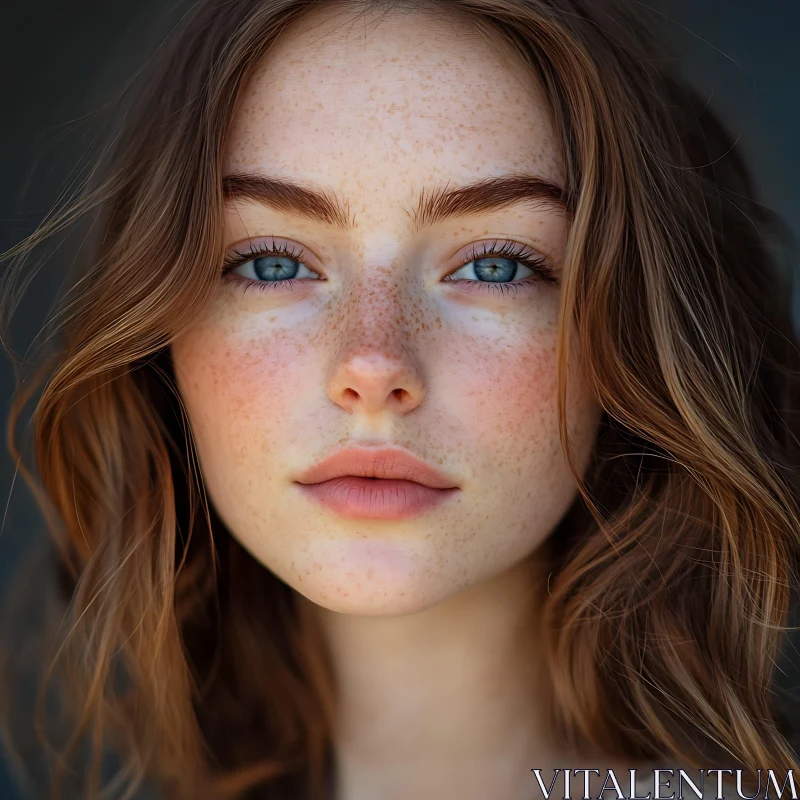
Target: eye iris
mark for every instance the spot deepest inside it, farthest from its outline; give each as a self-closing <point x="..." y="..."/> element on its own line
<point x="495" y="269"/>
<point x="275" y="268"/>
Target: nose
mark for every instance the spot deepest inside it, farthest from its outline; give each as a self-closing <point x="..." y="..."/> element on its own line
<point x="376" y="368"/>
<point x="373" y="382"/>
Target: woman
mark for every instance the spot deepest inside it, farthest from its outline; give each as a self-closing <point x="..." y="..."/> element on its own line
<point x="422" y="415"/>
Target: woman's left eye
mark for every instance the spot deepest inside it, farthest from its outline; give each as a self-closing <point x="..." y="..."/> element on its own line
<point x="495" y="268"/>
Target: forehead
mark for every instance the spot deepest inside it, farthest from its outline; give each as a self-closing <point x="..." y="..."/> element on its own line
<point x="391" y="101"/>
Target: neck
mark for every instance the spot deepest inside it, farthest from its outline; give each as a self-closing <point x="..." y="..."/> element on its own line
<point x="450" y="701"/>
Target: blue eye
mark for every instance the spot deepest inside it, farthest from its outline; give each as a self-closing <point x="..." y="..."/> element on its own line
<point x="496" y="268"/>
<point x="493" y="269"/>
<point x="490" y="270"/>
<point x="275" y="268"/>
<point x="270" y="265"/>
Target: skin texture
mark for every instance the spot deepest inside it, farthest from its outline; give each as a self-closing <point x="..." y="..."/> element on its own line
<point x="435" y="616"/>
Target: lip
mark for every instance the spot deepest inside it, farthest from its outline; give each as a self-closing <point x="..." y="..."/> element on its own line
<point x="376" y="483"/>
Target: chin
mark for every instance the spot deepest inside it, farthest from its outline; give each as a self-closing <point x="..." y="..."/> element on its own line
<point x="369" y="577"/>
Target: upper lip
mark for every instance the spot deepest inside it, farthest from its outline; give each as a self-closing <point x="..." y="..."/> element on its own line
<point x="384" y="462"/>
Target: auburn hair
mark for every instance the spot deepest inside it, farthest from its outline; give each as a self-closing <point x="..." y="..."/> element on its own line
<point x="672" y="573"/>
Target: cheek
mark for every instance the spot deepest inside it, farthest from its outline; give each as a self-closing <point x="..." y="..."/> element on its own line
<point x="238" y="388"/>
<point x="510" y="401"/>
<point x="508" y="393"/>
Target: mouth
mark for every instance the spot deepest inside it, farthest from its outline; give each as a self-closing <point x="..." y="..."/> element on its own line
<point x="368" y="483"/>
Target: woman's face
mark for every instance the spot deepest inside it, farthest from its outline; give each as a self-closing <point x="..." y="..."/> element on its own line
<point x="399" y="329"/>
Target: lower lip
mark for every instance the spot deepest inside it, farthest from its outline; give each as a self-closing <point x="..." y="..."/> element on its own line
<point x="369" y="498"/>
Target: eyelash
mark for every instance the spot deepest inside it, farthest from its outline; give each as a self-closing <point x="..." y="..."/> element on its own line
<point x="510" y="250"/>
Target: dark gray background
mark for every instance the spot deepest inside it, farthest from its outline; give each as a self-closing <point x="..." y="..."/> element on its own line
<point x="63" y="60"/>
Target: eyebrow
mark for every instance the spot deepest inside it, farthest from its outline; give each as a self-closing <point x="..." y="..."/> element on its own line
<point x="441" y="203"/>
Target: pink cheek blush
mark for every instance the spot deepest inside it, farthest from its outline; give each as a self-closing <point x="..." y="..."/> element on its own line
<point x="239" y="390"/>
<point x="257" y="373"/>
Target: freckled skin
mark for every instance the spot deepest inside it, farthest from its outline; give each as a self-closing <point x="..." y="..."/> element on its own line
<point x="274" y="381"/>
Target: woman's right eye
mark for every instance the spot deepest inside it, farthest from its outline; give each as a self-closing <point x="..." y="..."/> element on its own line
<point x="267" y="266"/>
<point x="273" y="268"/>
